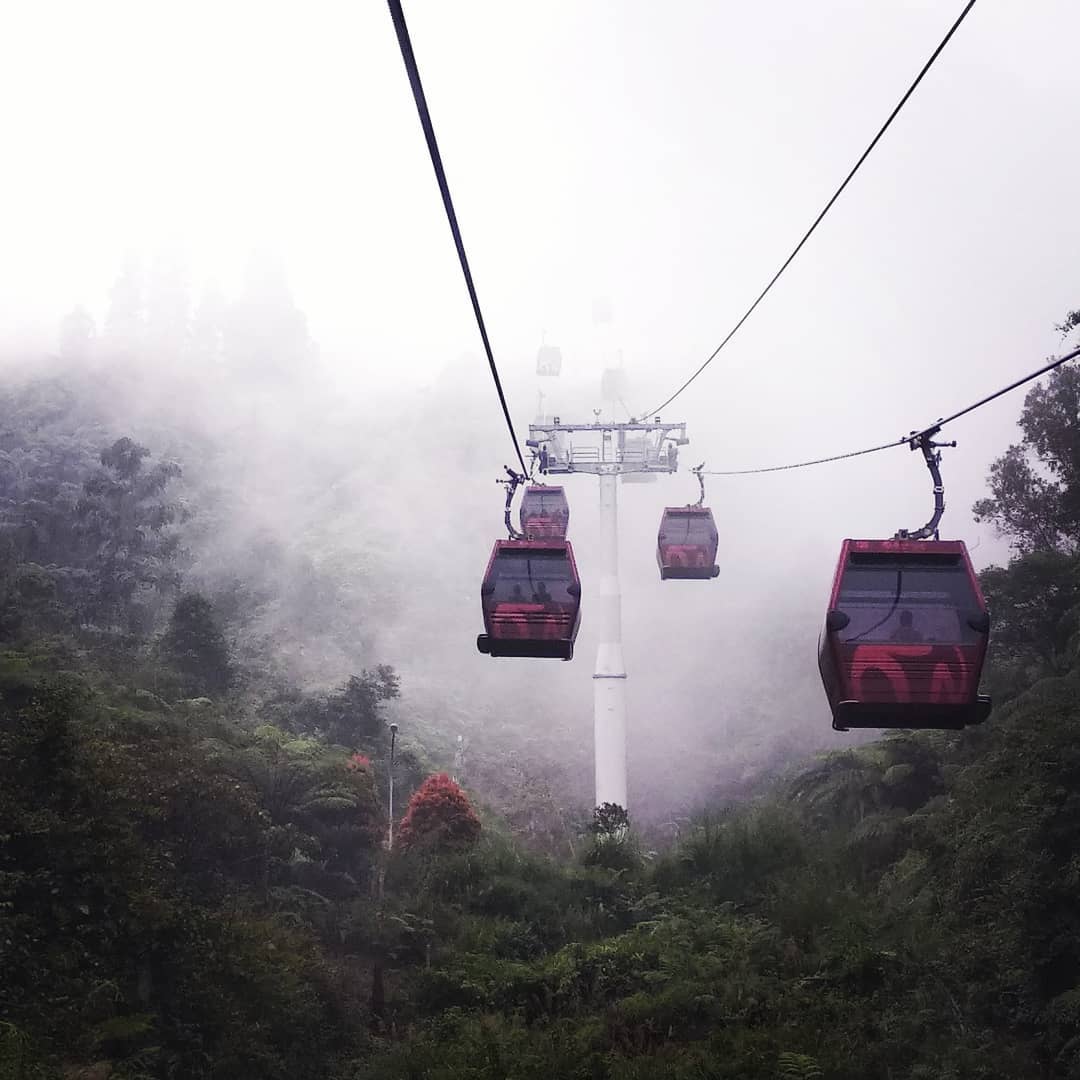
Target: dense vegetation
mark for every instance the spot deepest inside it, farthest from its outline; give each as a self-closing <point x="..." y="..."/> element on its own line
<point x="194" y="880"/>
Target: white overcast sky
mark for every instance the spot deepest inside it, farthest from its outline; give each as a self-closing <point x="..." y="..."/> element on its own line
<point x="662" y="155"/>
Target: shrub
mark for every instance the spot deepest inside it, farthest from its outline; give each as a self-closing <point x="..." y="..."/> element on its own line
<point x="440" y="815"/>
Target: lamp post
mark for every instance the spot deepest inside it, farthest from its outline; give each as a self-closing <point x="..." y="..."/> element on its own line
<point x="390" y="829"/>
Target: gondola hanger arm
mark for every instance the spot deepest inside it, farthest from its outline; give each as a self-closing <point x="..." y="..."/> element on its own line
<point x="699" y="473"/>
<point x="513" y="481"/>
<point x="931" y="452"/>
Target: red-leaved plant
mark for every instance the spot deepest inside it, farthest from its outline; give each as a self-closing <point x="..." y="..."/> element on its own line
<point x="440" y="815"/>
<point x="358" y="761"/>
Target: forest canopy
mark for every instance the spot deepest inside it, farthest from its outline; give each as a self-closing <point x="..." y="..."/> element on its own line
<point x="196" y="879"/>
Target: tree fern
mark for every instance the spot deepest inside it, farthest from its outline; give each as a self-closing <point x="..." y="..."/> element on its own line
<point x="797" y="1067"/>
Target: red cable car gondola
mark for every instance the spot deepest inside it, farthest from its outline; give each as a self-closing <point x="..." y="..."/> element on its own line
<point x="905" y="636"/>
<point x="531" y="598"/>
<point x="548" y="360"/>
<point x="907" y="628"/>
<point x="687" y="541"/>
<point x="544" y="513"/>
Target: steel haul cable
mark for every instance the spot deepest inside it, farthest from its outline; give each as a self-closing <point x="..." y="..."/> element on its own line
<point x="1005" y="389"/>
<point x="803" y="464"/>
<point x="405" y="43"/>
<point x="904" y="440"/>
<point x="436" y="160"/>
<point x="828" y="206"/>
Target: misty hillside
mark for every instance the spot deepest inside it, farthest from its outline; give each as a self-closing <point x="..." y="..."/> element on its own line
<point x="328" y="550"/>
<point x="195" y="704"/>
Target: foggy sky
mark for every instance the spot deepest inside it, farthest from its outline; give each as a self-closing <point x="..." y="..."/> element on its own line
<point x="665" y="157"/>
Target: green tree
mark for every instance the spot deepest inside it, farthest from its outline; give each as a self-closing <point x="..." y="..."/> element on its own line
<point x="322" y="813"/>
<point x="609" y="820"/>
<point x="98" y="522"/>
<point x="612" y="844"/>
<point x="1035" y="602"/>
<point x="196" y="647"/>
<point x="128" y="549"/>
<point x="1035" y="501"/>
<point x="352" y="715"/>
<point x="1035" y="485"/>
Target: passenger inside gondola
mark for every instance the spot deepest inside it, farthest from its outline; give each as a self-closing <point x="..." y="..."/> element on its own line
<point x="687" y="539"/>
<point x="533" y="577"/>
<point x="905" y="637"/>
<point x="687" y="530"/>
<point x="906" y="601"/>
<point x="544" y="513"/>
<point x="531" y="600"/>
<point x="906" y="632"/>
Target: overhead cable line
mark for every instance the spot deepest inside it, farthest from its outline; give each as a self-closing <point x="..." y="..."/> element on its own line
<point x="1004" y="390"/>
<point x="828" y="206"/>
<point x="914" y="438"/>
<point x="803" y="464"/>
<point x="448" y="204"/>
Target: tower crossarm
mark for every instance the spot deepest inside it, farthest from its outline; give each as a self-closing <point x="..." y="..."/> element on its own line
<point x="605" y="448"/>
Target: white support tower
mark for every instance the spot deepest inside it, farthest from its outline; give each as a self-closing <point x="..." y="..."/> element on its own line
<point x="609" y="676"/>
<point x="608" y="451"/>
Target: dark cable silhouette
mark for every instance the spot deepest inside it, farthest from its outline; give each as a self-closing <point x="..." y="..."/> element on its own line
<point x="804" y="464"/>
<point x="448" y="204"/>
<point x="905" y="440"/>
<point x="828" y="206"/>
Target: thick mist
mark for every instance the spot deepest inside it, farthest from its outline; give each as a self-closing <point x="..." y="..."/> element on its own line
<point x="240" y="205"/>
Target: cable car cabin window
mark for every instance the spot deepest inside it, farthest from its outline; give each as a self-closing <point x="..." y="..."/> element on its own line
<point x="907" y="601"/>
<point x="546" y="505"/>
<point x="532" y="577"/>
<point x="694" y="530"/>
